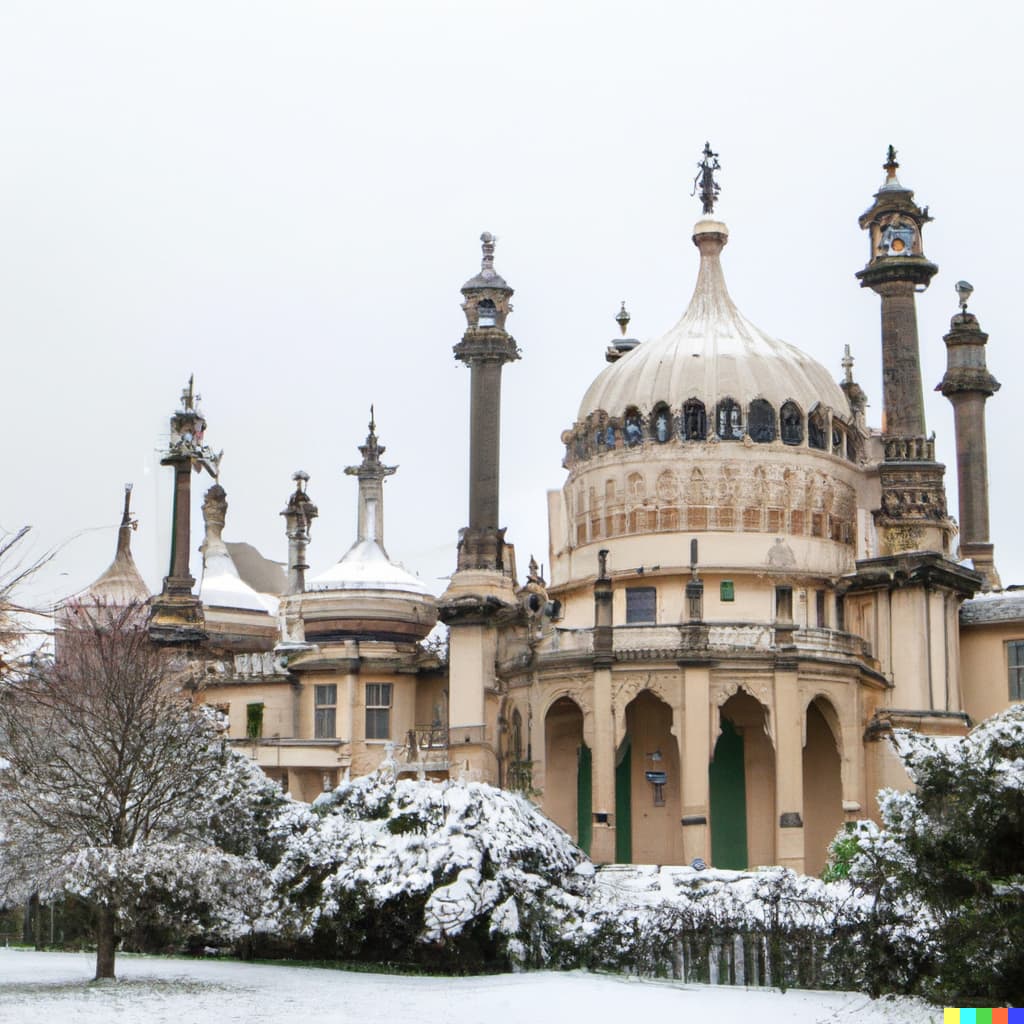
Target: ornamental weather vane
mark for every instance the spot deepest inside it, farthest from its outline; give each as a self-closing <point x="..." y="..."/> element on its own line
<point x="705" y="180"/>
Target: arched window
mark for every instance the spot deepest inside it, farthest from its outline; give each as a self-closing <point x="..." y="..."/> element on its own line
<point x="728" y="420"/>
<point x="661" y="423"/>
<point x="634" y="429"/>
<point x="695" y="421"/>
<point x="609" y="436"/>
<point x="486" y="313"/>
<point x="816" y="430"/>
<point x="792" y="424"/>
<point x="761" y="421"/>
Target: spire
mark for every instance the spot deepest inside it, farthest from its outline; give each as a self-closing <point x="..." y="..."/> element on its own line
<point x="890" y="167"/>
<point x="298" y="514"/>
<point x="705" y="180"/>
<point x="622" y="318"/>
<point x="121" y="584"/>
<point x="371" y="473"/>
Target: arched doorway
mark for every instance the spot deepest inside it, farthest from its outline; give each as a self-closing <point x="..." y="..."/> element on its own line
<point x="567" y="771"/>
<point x="741" y="783"/>
<point x="823" y="786"/>
<point x="648" y="786"/>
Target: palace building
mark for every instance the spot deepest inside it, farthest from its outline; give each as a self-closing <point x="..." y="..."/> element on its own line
<point x="750" y="586"/>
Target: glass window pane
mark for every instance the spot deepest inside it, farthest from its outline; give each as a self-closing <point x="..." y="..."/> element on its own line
<point x="641" y="604"/>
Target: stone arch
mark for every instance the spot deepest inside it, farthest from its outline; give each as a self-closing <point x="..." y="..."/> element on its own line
<point x="741" y="782"/>
<point x="822" y="781"/>
<point x="567" y="783"/>
<point x="648" y="783"/>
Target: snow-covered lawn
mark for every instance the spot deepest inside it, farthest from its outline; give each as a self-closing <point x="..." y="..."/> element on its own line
<point x="53" y="988"/>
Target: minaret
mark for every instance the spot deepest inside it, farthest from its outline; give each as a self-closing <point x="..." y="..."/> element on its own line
<point x="968" y="385"/>
<point x="483" y="586"/>
<point x="912" y="516"/>
<point x="896" y="269"/>
<point x="177" y="615"/>
<point x="371" y="473"/>
<point x="485" y="348"/>
<point x="298" y="514"/>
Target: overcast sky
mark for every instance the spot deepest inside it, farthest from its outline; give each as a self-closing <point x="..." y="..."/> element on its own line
<point x="285" y="199"/>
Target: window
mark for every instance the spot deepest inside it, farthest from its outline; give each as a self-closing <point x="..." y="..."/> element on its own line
<point x="761" y="421"/>
<point x="254" y="721"/>
<point x="487" y="313"/>
<point x="695" y="421"/>
<point x="729" y="423"/>
<point x="325" y="700"/>
<point x="633" y="430"/>
<point x="840" y="613"/>
<point x="784" y="604"/>
<point x="1015" y="658"/>
<point x="641" y="604"/>
<point x="819" y="609"/>
<point x="726" y="591"/>
<point x="661" y="424"/>
<point x="816" y="431"/>
<point x="378" y="711"/>
<point x="792" y="424"/>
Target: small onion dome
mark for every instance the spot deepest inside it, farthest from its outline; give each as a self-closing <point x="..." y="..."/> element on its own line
<point x="713" y="352"/>
<point x="366" y="596"/>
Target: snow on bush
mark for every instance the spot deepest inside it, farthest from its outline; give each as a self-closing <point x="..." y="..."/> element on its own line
<point x="386" y="866"/>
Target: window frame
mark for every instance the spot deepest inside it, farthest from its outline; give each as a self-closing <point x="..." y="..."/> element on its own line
<point x="634" y="595"/>
<point x="1015" y="669"/>
<point x="378" y="703"/>
<point x="325" y="712"/>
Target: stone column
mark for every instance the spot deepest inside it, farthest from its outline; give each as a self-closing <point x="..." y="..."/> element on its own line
<point x="968" y="385"/>
<point x="789" y="772"/>
<point x="695" y="760"/>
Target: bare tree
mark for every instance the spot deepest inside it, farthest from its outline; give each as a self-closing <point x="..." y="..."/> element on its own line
<point x="121" y="791"/>
<point x="15" y="569"/>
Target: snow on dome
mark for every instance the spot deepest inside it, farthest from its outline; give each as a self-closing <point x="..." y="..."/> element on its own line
<point x="713" y="352"/>
<point x="222" y="587"/>
<point x="366" y="566"/>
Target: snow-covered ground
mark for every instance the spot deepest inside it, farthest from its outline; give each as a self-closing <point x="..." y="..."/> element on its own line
<point x="54" y="988"/>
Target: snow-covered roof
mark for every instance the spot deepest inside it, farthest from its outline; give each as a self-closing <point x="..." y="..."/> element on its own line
<point x="222" y="587"/>
<point x="713" y="352"/>
<point x="366" y="566"/>
<point x="993" y="607"/>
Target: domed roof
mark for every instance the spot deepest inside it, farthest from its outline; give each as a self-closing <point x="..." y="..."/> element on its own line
<point x="713" y="352"/>
<point x="366" y="566"/>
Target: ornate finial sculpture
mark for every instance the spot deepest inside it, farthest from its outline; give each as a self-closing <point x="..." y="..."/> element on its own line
<point x="963" y="291"/>
<point x="705" y="180"/>
<point x="890" y="164"/>
<point x="622" y="318"/>
<point x="373" y="422"/>
<point x="487" y="241"/>
<point x="847" y="364"/>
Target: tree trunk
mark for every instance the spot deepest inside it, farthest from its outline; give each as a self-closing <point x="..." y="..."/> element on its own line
<point x="106" y="942"/>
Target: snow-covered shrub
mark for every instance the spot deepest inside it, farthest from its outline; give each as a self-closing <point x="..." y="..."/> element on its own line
<point x="950" y="860"/>
<point x="456" y="874"/>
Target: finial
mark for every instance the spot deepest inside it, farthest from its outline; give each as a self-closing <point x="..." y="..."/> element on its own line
<point x="373" y="422"/>
<point x="890" y="164"/>
<point x="301" y="478"/>
<point x="622" y="318"/>
<point x="963" y="291"/>
<point x="847" y="364"/>
<point x="487" y="244"/>
<point x="126" y="518"/>
<point x="189" y="396"/>
<point x="705" y="180"/>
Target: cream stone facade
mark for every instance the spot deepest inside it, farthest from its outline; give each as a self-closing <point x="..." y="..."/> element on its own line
<point x="750" y="586"/>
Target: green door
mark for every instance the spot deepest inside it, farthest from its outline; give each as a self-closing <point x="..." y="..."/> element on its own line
<point x="728" y="801"/>
<point x="624" y="805"/>
<point x="584" y="798"/>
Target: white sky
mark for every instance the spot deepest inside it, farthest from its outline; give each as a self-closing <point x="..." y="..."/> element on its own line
<point x="285" y="199"/>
